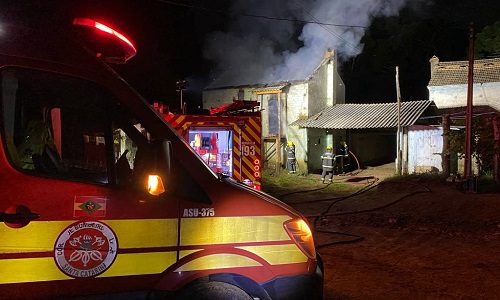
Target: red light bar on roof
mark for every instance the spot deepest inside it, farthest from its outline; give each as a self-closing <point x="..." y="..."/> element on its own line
<point x="106" y="29"/>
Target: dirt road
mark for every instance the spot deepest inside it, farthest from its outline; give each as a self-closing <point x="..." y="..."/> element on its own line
<point x="421" y="240"/>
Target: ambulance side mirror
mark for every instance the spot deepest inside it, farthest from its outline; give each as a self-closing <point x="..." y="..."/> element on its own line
<point x="161" y="169"/>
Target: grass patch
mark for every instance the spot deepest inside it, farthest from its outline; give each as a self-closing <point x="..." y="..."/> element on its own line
<point x="276" y="184"/>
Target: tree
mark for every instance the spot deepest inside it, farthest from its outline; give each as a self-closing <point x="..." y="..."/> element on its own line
<point x="488" y="41"/>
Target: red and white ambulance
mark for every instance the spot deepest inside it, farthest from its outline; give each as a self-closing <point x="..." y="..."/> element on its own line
<point x="100" y="197"/>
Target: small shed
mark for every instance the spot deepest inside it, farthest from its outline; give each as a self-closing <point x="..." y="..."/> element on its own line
<point x="371" y="131"/>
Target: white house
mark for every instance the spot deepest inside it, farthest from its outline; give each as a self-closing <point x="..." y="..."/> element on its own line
<point x="448" y="83"/>
<point x="448" y="89"/>
<point x="285" y="102"/>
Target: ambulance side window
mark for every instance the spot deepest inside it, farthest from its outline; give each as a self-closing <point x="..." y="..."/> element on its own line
<point x="131" y="150"/>
<point x="55" y="125"/>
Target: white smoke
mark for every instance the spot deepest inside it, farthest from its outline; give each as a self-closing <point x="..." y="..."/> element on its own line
<point x="257" y="50"/>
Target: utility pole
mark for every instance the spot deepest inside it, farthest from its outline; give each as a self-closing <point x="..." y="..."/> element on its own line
<point x="180" y="85"/>
<point x="398" y="140"/>
<point x="468" y="116"/>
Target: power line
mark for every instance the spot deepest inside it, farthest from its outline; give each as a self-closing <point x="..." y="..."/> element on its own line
<point x="217" y="11"/>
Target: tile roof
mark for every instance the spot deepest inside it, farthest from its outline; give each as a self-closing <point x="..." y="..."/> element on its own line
<point x="270" y="89"/>
<point x="455" y="72"/>
<point x="360" y="116"/>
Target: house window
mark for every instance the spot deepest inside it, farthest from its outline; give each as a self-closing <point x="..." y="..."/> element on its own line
<point x="272" y="114"/>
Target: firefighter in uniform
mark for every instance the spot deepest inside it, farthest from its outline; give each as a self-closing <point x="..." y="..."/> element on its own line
<point x="291" y="161"/>
<point x="327" y="163"/>
<point x="342" y="156"/>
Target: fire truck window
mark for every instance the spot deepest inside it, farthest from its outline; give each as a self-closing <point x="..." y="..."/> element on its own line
<point x="56" y="125"/>
<point x="214" y="146"/>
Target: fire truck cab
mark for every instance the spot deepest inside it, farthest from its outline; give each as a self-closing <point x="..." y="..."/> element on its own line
<point x="100" y="197"/>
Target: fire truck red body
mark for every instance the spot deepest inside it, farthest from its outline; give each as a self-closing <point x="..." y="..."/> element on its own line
<point x="228" y="144"/>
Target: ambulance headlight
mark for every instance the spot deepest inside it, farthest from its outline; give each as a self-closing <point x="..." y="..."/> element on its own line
<point x="155" y="185"/>
<point x="301" y="234"/>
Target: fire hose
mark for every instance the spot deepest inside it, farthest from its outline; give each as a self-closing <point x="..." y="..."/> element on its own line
<point x="326" y="213"/>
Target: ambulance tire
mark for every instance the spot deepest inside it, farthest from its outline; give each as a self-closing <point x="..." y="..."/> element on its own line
<point x="213" y="290"/>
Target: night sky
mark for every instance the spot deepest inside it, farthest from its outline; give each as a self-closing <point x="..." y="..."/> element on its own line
<point x="171" y="40"/>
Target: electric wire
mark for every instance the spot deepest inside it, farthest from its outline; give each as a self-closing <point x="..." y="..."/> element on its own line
<point x="218" y="11"/>
<point x="356" y="48"/>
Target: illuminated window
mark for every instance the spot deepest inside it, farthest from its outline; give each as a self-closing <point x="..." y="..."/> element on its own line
<point x="214" y="146"/>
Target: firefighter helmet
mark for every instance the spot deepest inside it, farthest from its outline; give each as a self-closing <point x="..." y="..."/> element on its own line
<point x="329" y="148"/>
<point x="290" y="144"/>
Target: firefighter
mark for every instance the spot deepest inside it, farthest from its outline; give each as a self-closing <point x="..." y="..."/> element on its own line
<point x="327" y="163"/>
<point x="341" y="157"/>
<point x="291" y="161"/>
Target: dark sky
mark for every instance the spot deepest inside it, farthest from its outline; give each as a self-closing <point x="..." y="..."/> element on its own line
<point x="170" y="40"/>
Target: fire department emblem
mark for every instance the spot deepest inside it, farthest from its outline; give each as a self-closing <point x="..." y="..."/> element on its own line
<point x="85" y="249"/>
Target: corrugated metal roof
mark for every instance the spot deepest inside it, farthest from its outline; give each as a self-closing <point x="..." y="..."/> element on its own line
<point x="456" y="72"/>
<point x="359" y="116"/>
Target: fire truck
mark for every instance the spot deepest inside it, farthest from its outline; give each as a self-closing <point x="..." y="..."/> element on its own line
<point x="228" y="140"/>
<point x="101" y="198"/>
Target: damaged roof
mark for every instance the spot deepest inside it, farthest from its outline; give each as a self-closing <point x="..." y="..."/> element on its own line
<point x="284" y="80"/>
<point x="270" y="89"/>
<point x="361" y="116"/>
<point x="455" y="72"/>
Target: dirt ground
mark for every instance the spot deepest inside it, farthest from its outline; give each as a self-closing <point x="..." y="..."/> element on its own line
<point x="414" y="237"/>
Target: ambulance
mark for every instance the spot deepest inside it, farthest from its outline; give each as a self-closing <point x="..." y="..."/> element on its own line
<point x="228" y="140"/>
<point x="100" y="198"/>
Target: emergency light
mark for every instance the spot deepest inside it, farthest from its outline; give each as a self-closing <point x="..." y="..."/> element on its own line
<point x="155" y="185"/>
<point x="107" y="43"/>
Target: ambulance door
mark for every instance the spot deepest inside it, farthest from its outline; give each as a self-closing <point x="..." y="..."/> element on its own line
<point x="75" y="214"/>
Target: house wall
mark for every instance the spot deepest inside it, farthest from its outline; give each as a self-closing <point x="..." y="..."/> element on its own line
<point x="456" y="95"/>
<point x="425" y="145"/>
<point x="218" y="97"/>
<point x="316" y="145"/>
<point x="326" y="88"/>
<point x="296" y="108"/>
<point x="339" y="88"/>
<point x="319" y="90"/>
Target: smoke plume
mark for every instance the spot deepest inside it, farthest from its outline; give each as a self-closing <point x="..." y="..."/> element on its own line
<point x="257" y="50"/>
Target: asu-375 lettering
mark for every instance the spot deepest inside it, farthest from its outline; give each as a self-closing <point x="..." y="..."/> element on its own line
<point x="199" y="212"/>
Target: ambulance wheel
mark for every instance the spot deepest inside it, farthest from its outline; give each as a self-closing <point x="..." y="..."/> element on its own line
<point x="213" y="290"/>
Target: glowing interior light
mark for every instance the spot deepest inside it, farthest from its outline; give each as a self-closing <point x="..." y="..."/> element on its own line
<point x="155" y="185"/>
<point x="104" y="28"/>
